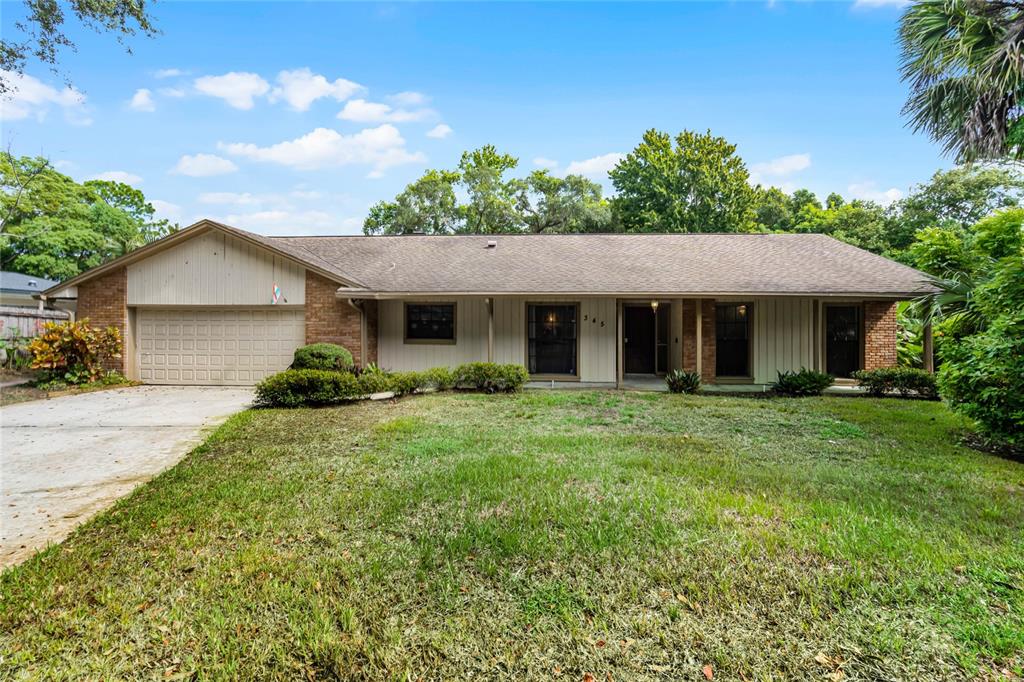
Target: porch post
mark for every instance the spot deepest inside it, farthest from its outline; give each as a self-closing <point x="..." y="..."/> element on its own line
<point x="490" y="330"/>
<point x="926" y="348"/>
<point x="618" y="344"/>
<point x="699" y="306"/>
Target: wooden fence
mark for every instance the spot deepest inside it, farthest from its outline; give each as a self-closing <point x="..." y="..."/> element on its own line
<point x="27" y="321"/>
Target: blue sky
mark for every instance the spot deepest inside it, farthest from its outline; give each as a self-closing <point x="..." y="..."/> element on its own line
<point x="294" y="118"/>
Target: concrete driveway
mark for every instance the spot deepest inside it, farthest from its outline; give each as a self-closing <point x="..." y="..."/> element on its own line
<point x="67" y="458"/>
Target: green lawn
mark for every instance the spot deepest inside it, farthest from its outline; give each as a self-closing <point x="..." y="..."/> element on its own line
<point x="546" y="535"/>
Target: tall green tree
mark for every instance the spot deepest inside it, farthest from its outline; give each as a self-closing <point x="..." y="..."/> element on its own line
<point x="962" y="59"/>
<point x="427" y="205"/>
<point x="491" y="204"/>
<point x="571" y="204"/>
<point x="693" y="183"/>
<point x="41" y="35"/>
<point x="55" y="227"/>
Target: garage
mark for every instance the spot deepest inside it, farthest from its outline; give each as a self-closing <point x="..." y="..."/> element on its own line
<point x="211" y="346"/>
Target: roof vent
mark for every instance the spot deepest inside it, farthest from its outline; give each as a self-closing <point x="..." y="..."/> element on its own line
<point x="491" y="244"/>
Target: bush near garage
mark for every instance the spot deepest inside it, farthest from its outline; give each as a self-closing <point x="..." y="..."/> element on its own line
<point x="904" y="381"/>
<point x="299" y="387"/>
<point x="74" y="352"/>
<point x="322" y="356"/>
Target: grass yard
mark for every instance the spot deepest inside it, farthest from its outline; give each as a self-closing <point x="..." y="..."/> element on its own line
<point x="565" y="535"/>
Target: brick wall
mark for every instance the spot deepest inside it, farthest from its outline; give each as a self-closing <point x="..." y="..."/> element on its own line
<point x="104" y="301"/>
<point x="371" y="330"/>
<point x="879" y="334"/>
<point x="707" y="338"/>
<point x="332" y="320"/>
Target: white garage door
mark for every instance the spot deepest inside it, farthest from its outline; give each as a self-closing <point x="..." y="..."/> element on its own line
<point x="214" y="346"/>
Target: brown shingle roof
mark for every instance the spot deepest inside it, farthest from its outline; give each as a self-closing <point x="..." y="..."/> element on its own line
<point x="740" y="264"/>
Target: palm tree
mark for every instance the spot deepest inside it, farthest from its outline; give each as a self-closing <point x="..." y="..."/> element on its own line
<point x="964" y="61"/>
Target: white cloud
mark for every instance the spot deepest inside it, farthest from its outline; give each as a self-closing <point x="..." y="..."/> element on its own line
<point x="166" y="210"/>
<point x="118" y="176"/>
<point x="172" y="92"/>
<point x="64" y="164"/>
<point x="781" y="167"/>
<point x="238" y="88"/>
<point x="440" y="131"/>
<point x="203" y="165"/>
<point x="409" y="99"/>
<point x="868" y="191"/>
<point x="231" y="198"/>
<point x="542" y="162"/>
<point x="380" y="147"/>
<point x="599" y="165"/>
<point x="361" y="111"/>
<point x="169" y="73"/>
<point x="301" y="87"/>
<point x="281" y="222"/>
<point x="306" y="194"/>
<point x="142" y="100"/>
<point x="30" y="97"/>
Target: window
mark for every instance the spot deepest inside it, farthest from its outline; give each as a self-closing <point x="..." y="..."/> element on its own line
<point x="551" y="338"/>
<point x="732" y="339"/>
<point x="430" y="323"/>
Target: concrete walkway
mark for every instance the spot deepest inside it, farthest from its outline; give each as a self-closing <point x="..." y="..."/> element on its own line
<point x="64" y="459"/>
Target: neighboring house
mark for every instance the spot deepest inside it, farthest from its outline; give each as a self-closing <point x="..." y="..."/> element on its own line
<point x="19" y="290"/>
<point x="212" y="304"/>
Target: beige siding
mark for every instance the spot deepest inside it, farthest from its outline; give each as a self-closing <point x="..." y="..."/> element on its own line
<point x="214" y="269"/>
<point x="597" y="340"/>
<point x="783" y="336"/>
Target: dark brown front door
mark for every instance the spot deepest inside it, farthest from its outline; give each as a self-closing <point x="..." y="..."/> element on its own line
<point x="638" y="339"/>
<point x="842" y="340"/>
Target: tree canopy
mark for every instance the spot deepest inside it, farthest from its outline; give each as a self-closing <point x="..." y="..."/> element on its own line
<point x="55" y="227"/>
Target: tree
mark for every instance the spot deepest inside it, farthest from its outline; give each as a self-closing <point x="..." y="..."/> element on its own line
<point x="698" y="184"/>
<point x="773" y="209"/>
<point x="960" y="196"/>
<point x="43" y="36"/>
<point x="571" y="204"/>
<point x="962" y="59"/>
<point x="491" y="205"/>
<point x="427" y="206"/>
<point x="57" y="228"/>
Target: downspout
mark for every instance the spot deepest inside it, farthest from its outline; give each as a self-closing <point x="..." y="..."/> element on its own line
<point x="357" y="305"/>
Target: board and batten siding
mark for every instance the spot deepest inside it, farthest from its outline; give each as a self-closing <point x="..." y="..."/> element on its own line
<point x="783" y="336"/>
<point x="596" y="325"/>
<point x="215" y="269"/>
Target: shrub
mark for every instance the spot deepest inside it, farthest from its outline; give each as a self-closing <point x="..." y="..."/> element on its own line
<point x="490" y="377"/>
<point x="682" y="382"/>
<point x="441" y="378"/>
<point x="377" y="381"/>
<point x="905" y="381"/>
<point x="322" y="356"/>
<point x="74" y="352"/>
<point x="295" y="387"/>
<point x="803" y="383"/>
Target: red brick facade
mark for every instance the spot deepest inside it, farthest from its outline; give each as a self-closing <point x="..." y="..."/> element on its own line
<point x="332" y="320"/>
<point x="707" y="340"/>
<point x="104" y="301"/>
<point x="879" y="334"/>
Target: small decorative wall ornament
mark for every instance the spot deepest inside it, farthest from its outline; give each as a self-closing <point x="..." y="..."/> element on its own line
<point x="276" y="296"/>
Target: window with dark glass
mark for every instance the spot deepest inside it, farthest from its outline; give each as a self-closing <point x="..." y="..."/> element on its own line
<point x="732" y="339"/>
<point x="426" y="322"/>
<point x="551" y="338"/>
<point x="842" y="340"/>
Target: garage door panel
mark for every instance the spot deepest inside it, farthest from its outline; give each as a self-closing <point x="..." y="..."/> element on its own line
<point x="238" y="347"/>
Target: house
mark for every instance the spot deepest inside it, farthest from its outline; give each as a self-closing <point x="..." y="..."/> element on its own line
<point x="212" y="304"/>
<point x="19" y="291"/>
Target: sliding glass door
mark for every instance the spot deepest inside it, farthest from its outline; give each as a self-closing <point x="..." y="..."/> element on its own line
<point x="551" y="338"/>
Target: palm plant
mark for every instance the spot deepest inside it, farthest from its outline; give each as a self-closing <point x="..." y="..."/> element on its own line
<point x="964" y="61"/>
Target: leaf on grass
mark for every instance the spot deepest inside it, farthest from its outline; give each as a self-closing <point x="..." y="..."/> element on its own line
<point x="709" y="673"/>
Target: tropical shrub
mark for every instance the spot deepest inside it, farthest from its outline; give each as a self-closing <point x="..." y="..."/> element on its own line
<point x="803" y="383"/>
<point x="322" y="356"/>
<point x="905" y="381"/>
<point x="74" y="352"/>
<point x="680" y="381"/>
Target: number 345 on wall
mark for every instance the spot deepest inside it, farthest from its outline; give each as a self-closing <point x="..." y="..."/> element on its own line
<point x="588" y="318"/>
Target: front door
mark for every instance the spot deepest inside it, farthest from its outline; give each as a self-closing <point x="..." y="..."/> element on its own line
<point x="638" y="339"/>
<point x="842" y="340"/>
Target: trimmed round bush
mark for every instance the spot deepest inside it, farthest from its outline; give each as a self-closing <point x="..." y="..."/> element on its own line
<point x="322" y="356"/>
<point x="490" y="377"/>
<point x="296" y="387"/>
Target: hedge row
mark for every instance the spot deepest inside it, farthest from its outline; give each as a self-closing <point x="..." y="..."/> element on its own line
<point x="905" y="381"/>
<point x="298" y="387"/>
